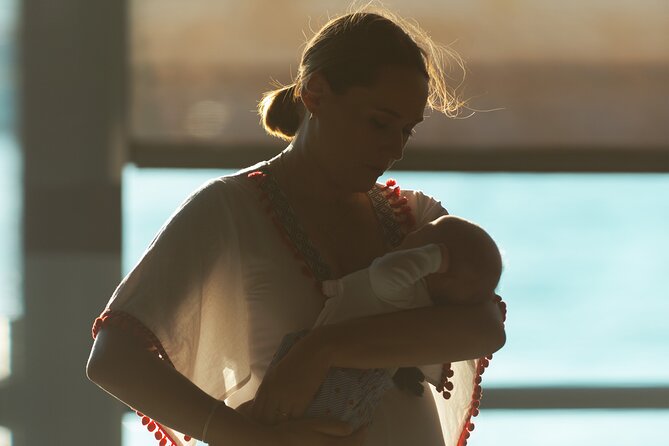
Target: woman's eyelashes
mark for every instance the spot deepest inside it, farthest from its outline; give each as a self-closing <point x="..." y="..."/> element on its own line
<point x="380" y="125"/>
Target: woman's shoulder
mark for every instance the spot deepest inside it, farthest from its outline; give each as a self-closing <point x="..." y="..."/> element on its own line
<point x="218" y="200"/>
<point x="423" y="206"/>
<point x="234" y="186"/>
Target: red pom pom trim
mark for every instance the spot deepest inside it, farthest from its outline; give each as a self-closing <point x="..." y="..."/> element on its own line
<point x="481" y="365"/>
<point x="399" y="205"/>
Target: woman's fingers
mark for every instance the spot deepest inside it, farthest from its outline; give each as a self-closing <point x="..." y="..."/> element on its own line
<point x="280" y="414"/>
<point x="263" y="410"/>
<point x="271" y="413"/>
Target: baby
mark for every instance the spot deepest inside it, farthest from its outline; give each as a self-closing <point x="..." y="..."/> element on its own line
<point x="448" y="261"/>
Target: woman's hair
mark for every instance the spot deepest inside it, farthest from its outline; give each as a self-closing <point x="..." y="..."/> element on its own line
<point x="350" y="51"/>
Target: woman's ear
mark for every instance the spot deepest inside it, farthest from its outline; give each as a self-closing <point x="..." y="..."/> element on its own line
<point x="316" y="89"/>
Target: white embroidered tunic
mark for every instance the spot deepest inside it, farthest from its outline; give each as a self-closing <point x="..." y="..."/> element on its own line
<point x="231" y="273"/>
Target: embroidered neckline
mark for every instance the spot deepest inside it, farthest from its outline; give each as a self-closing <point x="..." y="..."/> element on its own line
<point x="389" y="207"/>
<point x="292" y="228"/>
<point x="392" y="230"/>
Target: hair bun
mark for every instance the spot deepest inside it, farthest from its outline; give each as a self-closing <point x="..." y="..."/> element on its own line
<point x="281" y="112"/>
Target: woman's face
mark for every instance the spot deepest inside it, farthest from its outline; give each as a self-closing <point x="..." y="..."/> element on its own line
<point x="362" y="132"/>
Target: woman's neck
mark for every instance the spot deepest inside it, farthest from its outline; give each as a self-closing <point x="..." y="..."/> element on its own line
<point x="302" y="176"/>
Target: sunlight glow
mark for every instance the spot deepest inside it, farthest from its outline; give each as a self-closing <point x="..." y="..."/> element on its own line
<point x="5" y="436"/>
<point x="5" y="354"/>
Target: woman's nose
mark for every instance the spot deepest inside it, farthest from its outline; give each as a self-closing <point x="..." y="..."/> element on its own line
<point x="399" y="151"/>
<point x="395" y="148"/>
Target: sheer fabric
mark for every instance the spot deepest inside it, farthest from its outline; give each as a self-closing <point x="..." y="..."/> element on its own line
<point x="219" y="286"/>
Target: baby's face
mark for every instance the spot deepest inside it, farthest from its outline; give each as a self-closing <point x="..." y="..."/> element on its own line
<point x="463" y="287"/>
<point x="460" y="289"/>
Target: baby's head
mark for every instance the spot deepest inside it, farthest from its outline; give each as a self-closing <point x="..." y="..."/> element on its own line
<point x="472" y="263"/>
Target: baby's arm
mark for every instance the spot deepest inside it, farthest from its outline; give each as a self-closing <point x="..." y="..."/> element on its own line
<point x="349" y="297"/>
<point x="394" y="275"/>
<point x="388" y="284"/>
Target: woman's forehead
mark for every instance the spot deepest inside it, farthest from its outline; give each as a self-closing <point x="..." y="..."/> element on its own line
<point x="399" y="92"/>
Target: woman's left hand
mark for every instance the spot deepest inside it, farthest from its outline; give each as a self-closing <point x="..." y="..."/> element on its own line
<point x="288" y="388"/>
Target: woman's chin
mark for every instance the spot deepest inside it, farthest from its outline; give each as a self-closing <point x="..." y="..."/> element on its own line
<point x="369" y="179"/>
<point x="356" y="183"/>
<point x="367" y="185"/>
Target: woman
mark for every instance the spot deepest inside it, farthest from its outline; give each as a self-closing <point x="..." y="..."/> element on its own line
<point x="240" y="264"/>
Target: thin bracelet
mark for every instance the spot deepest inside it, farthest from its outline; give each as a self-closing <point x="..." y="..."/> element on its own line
<point x="211" y="415"/>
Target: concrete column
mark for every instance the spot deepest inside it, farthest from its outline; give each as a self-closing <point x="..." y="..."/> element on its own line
<point x="72" y="133"/>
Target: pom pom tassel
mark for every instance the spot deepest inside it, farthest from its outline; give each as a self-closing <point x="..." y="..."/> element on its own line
<point x="481" y="365"/>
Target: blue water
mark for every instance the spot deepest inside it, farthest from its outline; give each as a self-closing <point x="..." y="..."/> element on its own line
<point x="11" y="305"/>
<point x="5" y="437"/>
<point x="586" y="258"/>
<point x="570" y="427"/>
<point x="10" y="168"/>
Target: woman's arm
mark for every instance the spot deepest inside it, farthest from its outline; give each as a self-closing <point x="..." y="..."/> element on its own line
<point x="137" y="377"/>
<point x="428" y="335"/>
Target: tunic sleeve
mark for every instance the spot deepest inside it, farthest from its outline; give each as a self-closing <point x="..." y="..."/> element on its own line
<point x="425" y="208"/>
<point x="184" y="298"/>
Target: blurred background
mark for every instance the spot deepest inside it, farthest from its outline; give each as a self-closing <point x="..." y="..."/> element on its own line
<point x="111" y="114"/>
